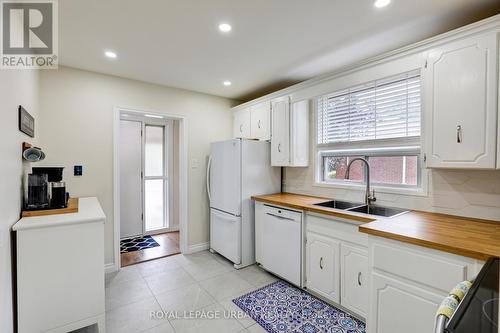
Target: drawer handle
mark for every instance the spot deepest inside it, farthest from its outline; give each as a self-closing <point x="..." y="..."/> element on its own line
<point x="359" y="278"/>
<point x="321" y="262"/>
<point x="241" y="128"/>
<point x="258" y="124"/>
<point x="459" y="134"/>
<point x="279" y="147"/>
<point x="281" y="217"/>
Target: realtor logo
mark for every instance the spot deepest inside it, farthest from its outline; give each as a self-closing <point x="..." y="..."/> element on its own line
<point x="29" y="34"/>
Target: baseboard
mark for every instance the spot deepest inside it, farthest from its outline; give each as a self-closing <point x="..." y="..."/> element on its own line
<point x="110" y="268"/>
<point x="198" y="247"/>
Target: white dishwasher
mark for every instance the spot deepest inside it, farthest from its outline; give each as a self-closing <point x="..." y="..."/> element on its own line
<point x="279" y="241"/>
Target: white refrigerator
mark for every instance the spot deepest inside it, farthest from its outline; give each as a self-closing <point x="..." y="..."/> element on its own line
<point x="238" y="169"/>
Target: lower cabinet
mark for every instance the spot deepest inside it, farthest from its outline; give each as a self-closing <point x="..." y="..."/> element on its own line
<point x="354" y="279"/>
<point x="337" y="263"/>
<point x="322" y="266"/>
<point x="402" y="307"/>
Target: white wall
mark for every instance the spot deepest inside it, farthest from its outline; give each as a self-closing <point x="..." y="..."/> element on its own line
<point x="17" y="87"/>
<point x="77" y="128"/>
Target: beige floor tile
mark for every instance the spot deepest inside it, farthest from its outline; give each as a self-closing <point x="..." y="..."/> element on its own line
<point x="187" y="298"/>
<point x="123" y="293"/>
<point x="133" y="318"/>
<point x="226" y="285"/>
<point x="219" y="324"/>
<point x="169" y="280"/>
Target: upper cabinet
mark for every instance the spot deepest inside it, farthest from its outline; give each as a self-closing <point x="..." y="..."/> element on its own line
<point x="260" y="115"/>
<point x="253" y="122"/>
<point x="290" y="133"/>
<point x="241" y="124"/>
<point x="461" y="103"/>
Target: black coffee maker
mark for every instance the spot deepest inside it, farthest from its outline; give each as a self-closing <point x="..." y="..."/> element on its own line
<point x="45" y="189"/>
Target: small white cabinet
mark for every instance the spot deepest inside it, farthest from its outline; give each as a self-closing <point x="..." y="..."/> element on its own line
<point x="323" y="266"/>
<point x="461" y="93"/>
<point x="354" y="278"/>
<point x="253" y="122"/>
<point x="290" y="133"/>
<point x="402" y="307"/>
<point x="260" y="115"/>
<point x="242" y="124"/>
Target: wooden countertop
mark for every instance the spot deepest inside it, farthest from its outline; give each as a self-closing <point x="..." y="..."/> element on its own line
<point x="475" y="238"/>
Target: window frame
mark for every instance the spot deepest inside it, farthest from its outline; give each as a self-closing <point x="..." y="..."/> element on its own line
<point x="371" y="152"/>
<point x="381" y="146"/>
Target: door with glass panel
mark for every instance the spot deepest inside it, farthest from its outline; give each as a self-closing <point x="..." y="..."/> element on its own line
<point x="155" y="178"/>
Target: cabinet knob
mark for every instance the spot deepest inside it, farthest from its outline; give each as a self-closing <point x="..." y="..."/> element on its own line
<point x="259" y="123"/>
<point x="279" y="147"/>
<point x="459" y="134"/>
<point x="241" y="128"/>
<point x="321" y="262"/>
<point x="359" y="278"/>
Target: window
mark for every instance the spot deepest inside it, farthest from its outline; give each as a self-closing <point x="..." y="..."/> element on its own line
<point x="378" y="121"/>
<point x="382" y="109"/>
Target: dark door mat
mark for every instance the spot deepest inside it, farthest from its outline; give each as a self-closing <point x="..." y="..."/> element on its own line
<point x="137" y="244"/>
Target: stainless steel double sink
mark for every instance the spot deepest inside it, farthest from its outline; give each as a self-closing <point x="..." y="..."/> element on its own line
<point x="362" y="208"/>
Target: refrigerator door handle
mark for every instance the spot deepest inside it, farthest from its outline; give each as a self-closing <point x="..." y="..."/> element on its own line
<point x="208" y="177"/>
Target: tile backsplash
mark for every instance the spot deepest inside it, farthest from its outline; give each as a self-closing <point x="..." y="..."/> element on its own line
<point x="471" y="193"/>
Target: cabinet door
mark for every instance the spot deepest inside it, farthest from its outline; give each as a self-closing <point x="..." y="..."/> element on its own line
<point x="261" y="121"/>
<point x="398" y="307"/>
<point x="241" y="124"/>
<point x="323" y="268"/>
<point x="461" y="104"/>
<point x="354" y="279"/>
<point x="280" y="139"/>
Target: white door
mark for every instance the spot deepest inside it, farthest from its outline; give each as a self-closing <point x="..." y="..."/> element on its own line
<point x="130" y="178"/>
<point x="280" y="238"/>
<point x="280" y="139"/>
<point x="354" y="279"/>
<point x="260" y="121"/>
<point x="323" y="266"/>
<point x="225" y="235"/>
<point x="400" y="307"/>
<point x="461" y="103"/>
<point x="242" y="124"/>
<point x="225" y="176"/>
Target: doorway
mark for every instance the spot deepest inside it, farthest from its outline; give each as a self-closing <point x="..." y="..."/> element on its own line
<point x="148" y="161"/>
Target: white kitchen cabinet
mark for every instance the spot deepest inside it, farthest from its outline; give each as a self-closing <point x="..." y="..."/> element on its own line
<point x="460" y="96"/>
<point x="242" y="123"/>
<point x="354" y="278"/>
<point x="402" y="307"/>
<point x="290" y="133"/>
<point x="260" y="127"/>
<point x="60" y="270"/>
<point x="408" y="282"/>
<point x="323" y="266"/>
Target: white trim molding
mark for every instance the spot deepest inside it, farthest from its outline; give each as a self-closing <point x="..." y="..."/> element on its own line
<point x="197" y="247"/>
<point x="183" y="179"/>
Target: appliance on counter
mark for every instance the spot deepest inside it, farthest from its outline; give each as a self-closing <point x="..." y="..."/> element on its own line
<point x="238" y="169"/>
<point x="45" y="189"/>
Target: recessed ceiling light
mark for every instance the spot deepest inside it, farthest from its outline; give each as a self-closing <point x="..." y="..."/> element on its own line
<point x="381" y="3"/>
<point x="110" y="54"/>
<point x="225" y="27"/>
<point x="227" y="83"/>
<point x="153" y="116"/>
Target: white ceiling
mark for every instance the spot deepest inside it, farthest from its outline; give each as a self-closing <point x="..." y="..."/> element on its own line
<point x="273" y="44"/>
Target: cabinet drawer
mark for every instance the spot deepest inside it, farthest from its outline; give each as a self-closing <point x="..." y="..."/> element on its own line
<point x="433" y="271"/>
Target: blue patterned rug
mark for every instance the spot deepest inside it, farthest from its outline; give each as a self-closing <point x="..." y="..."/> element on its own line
<point x="280" y="307"/>
<point x="137" y="243"/>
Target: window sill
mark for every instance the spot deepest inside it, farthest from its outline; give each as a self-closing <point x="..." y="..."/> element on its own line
<point x="419" y="192"/>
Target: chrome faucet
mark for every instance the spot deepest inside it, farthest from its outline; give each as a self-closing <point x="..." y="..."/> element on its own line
<point x="369" y="195"/>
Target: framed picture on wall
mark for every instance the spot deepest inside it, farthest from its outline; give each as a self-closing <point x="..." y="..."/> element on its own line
<point x="26" y="122"/>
